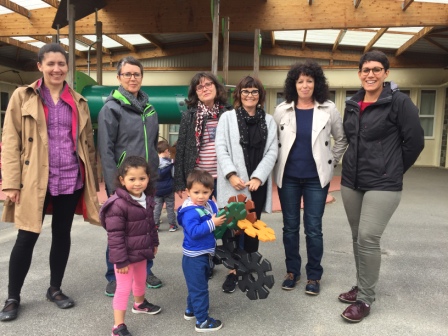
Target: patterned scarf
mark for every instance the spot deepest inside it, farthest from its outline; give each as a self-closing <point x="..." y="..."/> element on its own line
<point x="202" y="114"/>
<point x="138" y="102"/>
<point x="259" y="140"/>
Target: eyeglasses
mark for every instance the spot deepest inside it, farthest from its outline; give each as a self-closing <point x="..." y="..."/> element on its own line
<point x="246" y="93"/>
<point x="375" y="70"/>
<point x="128" y="75"/>
<point x="207" y="85"/>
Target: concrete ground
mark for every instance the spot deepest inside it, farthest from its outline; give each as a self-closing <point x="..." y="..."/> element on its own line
<point x="411" y="294"/>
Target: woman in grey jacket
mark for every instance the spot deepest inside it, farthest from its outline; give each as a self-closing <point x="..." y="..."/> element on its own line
<point x="306" y="122"/>
<point x="246" y="147"/>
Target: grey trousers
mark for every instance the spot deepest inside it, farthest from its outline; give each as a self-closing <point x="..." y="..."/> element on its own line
<point x="169" y="200"/>
<point x="368" y="213"/>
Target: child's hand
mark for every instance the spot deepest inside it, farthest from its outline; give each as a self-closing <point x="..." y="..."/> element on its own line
<point x="156" y="248"/>
<point x="218" y="221"/>
<point x="123" y="270"/>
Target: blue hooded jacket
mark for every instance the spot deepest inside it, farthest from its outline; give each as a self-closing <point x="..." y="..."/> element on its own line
<point x="198" y="227"/>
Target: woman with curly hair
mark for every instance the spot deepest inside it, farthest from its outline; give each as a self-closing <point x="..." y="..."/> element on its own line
<point x="306" y="121"/>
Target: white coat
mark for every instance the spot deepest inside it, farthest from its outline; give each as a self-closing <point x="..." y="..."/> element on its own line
<point x="327" y="122"/>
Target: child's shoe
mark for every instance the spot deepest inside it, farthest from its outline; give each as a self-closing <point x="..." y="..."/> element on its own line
<point x="121" y="330"/>
<point x="188" y="315"/>
<point x="208" y="325"/>
<point x="146" y="308"/>
<point x="173" y="228"/>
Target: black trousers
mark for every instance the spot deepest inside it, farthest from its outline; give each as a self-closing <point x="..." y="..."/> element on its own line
<point x="64" y="207"/>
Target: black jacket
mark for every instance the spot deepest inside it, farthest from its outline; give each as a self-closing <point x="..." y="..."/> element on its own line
<point x="186" y="150"/>
<point x="384" y="143"/>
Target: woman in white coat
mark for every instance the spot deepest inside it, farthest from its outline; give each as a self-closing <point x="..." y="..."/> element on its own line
<point x="306" y="160"/>
<point x="246" y="147"/>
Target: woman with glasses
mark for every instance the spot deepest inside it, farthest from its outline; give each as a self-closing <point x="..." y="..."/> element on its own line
<point x="306" y="122"/>
<point x="195" y="148"/>
<point x="384" y="140"/>
<point x="48" y="166"/>
<point x="127" y="126"/>
<point x="246" y="147"/>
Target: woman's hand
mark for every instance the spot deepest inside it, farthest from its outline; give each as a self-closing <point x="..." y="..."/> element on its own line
<point x="13" y="194"/>
<point x="237" y="183"/>
<point x="123" y="270"/>
<point x="179" y="193"/>
<point x="253" y="184"/>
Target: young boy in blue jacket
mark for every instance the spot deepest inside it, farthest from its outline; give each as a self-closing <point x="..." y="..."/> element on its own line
<point x="197" y="216"/>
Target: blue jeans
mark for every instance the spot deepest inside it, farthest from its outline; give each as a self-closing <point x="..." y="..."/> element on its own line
<point x="314" y="197"/>
<point x="110" y="274"/>
<point x="196" y="272"/>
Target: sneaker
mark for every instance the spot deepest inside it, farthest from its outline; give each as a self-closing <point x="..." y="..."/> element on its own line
<point x="110" y="288"/>
<point x="208" y="325"/>
<point x="290" y="281"/>
<point x="312" y="287"/>
<point x="173" y="228"/>
<point x="146" y="308"/>
<point x="153" y="282"/>
<point x="121" y="330"/>
<point x="210" y="274"/>
<point x="356" y="312"/>
<point x="188" y="315"/>
<point x="350" y="296"/>
<point x="229" y="284"/>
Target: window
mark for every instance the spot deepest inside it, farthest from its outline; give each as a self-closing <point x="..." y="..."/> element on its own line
<point x="173" y="134"/>
<point x="349" y="94"/>
<point x="280" y="98"/>
<point x="333" y="96"/>
<point x="4" y="99"/>
<point x="427" y="111"/>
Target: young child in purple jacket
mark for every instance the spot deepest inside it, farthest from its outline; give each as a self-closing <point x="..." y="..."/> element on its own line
<point x="128" y="217"/>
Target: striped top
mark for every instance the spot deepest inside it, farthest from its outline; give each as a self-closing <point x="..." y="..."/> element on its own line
<point x="207" y="154"/>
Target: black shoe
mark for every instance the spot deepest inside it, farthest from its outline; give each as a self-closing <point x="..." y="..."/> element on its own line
<point x="208" y="325"/>
<point x="229" y="284"/>
<point x="10" y="310"/>
<point x="312" y="287"/>
<point x="61" y="300"/>
<point x="121" y="330"/>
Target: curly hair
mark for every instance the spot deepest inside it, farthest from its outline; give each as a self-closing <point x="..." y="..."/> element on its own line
<point x="137" y="162"/>
<point x="249" y="82"/>
<point x="193" y="99"/>
<point x="321" y="91"/>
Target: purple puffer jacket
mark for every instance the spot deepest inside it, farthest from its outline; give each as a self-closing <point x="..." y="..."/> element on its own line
<point x="132" y="234"/>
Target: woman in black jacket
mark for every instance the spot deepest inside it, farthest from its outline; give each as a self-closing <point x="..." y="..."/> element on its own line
<point x="195" y="148"/>
<point x="385" y="138"/>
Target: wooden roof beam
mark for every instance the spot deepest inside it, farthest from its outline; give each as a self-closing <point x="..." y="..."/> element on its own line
<point x="310" y="2"/>
<point x="49" y="40"/>
<point x="16" y="8"/>
<point x="374" y="39"/>
<point x="89" y="42"/>
<point x="304" y="39"/>
<point x="272" y="39"/>
<point x="19" y="44"/>
<point x="406" y="4"/>
<point x="122" y="41"/>
<point x="339" y="39"/>
<point x="52" y="3"/>
<point x="437" y="44"/>
<point x="154" y="40"/>
<point x="414" y="39"/>
<point x="356" y="3"/>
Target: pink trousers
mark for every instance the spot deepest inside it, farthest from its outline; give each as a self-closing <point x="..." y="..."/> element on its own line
<point x="135" y="279"/>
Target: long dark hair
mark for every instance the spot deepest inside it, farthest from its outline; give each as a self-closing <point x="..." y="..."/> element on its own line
<point x="136" y="162"/>
<point x="51" y="47"/>
<point x="321" y="91"/>
<point x="193" y="100"/>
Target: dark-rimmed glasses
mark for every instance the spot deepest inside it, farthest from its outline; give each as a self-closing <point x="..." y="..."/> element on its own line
<point x="375" y="70"/>
<point x="246" y="93"/>
<point x="128" y="75"/>
<point x="207" y="85"/>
